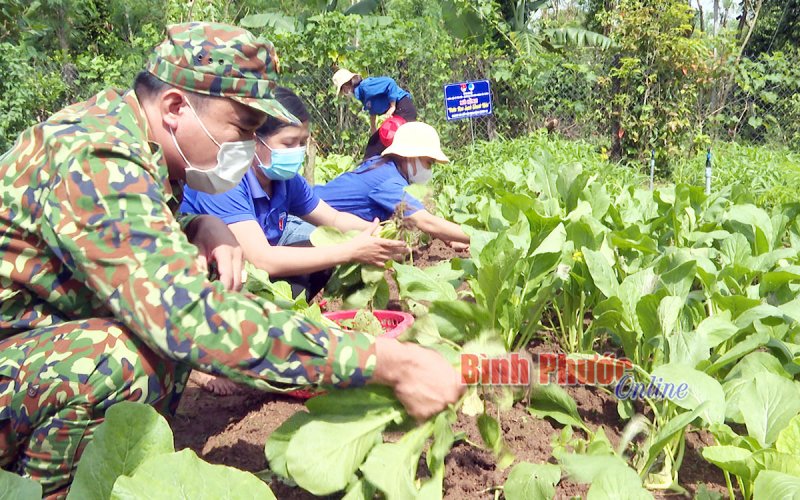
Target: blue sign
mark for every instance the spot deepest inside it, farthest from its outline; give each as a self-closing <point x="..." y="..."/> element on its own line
<point x="467" y="100"/>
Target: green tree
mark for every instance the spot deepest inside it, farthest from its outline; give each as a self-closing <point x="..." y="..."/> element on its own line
<point x="778" y="27"/>
<point x="516" y="24"/>
<point x="655" y="80"/>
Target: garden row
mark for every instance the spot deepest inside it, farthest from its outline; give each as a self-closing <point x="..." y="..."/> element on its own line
<point x="694" y="290"/>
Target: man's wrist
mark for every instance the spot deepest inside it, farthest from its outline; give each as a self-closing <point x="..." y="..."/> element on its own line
<point x="188" y="223"/>
<point x="392" y="359"/>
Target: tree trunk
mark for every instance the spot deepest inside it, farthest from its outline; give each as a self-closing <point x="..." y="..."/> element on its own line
<point x="702" y="20"/>
<point x="743" y="19"/>
<point x="61" y="29"/>
<point x="616" y="126"/>
<point x="728" y="87"/>
<point x="716" y="17"/>
<point x="311" y="160"/>
<point x="751" y="27"/>
<point x="68" y="70"/>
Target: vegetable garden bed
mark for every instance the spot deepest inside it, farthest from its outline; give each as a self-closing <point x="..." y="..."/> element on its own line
<point x="232" y="430"/>
<point x="697" y="291"/>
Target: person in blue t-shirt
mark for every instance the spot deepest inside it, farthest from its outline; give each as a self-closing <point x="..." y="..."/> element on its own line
<point x="259" y="209"/>
<point x="380" y="96"/>
<point x="376" y="188"/>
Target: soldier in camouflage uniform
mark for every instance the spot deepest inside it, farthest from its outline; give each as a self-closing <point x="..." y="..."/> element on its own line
<point x="102" y="295"/>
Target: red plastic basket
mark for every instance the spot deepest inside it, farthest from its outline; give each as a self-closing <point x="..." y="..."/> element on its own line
<point x="394" y="323"/>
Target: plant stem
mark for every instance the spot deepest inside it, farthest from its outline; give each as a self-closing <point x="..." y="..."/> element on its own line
<point x="679" y="460"/>
<point x="730" y="486"/>
<point x="563" y="334"/>
<point x="581" y="313"/>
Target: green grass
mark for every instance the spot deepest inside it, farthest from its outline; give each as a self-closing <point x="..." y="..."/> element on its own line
<point x="770" y="174"/>
<point x="547" y="149"/>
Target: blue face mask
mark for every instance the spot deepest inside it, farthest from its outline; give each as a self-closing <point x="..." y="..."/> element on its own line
<point x="285" y="163"/>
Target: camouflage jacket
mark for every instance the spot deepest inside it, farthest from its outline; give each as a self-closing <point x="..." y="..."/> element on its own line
<point x="86" y="230"/>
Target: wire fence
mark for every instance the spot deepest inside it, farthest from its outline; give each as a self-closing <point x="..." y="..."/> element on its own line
<point x="758" y="103"/>
<point x="341" y="127"/>
<point x="762" y="104"/>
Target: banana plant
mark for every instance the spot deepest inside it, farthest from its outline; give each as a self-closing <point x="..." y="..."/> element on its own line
<point x="518" y="24"/>
<point x="281" y="23"/>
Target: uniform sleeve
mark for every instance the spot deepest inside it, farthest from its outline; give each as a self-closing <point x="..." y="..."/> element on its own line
<point x="184" y="219"/>
<point x="108" y="221"/>
<point x="231" y="206"/>
<point x="302" y="199"/>
<point x="390" y="193"/>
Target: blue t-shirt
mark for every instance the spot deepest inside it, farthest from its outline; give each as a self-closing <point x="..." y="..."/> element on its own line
<point x="248" y="201"/>
<point x="369" y="192"/>
<point x="376" y="92"/>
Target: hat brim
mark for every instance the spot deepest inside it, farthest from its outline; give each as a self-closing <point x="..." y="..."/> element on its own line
<point x="350" y="76"/>
<point x="339" y="89"/>
<point x="434" y="154"/>
<point x="269" y="106"/>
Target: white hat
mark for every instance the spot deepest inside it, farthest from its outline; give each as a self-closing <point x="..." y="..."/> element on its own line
<point x="341" y="77"/>
<point x="416" y="140"/>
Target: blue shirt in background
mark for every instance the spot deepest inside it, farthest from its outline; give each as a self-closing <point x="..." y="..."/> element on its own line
<point x="376" y="92"/>
<point x="369" y="192"/>
<point x="248" y="201"/>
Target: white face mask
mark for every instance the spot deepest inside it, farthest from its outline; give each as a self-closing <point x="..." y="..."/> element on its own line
<point x="233" y="160"/>
<point x="422" y="174"/>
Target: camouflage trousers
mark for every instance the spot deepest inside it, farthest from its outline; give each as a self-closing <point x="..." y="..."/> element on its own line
<point x="56" y="384"/>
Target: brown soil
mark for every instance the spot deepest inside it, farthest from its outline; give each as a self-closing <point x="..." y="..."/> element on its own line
<point x="435" y="252"/>
<point x="232" y="430"/>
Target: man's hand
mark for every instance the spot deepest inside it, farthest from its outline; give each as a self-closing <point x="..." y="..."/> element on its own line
<point x="368" y="249"/>
<point x="421" y="378"/>
<point x="217" y="244"/>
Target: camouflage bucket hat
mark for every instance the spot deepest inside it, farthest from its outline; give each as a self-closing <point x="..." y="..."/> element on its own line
<point x="220" y="60"/>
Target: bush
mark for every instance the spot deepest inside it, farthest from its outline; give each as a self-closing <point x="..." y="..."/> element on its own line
<point x="653" y="86"/>
<point x="768" y="91"/>
<point x="31" y="88"/>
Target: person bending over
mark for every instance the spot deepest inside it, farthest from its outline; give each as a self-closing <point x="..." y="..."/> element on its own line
<point x="380" y="96"/>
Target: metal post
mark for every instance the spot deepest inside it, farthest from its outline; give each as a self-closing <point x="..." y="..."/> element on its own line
<point x="708" y="171"/>
<point x="472" y="131"/>
<point x="652" y="167"/>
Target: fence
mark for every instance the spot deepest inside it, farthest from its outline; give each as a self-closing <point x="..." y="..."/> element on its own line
<point x="339" y="125"/>
<point x="757" y="103"/>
